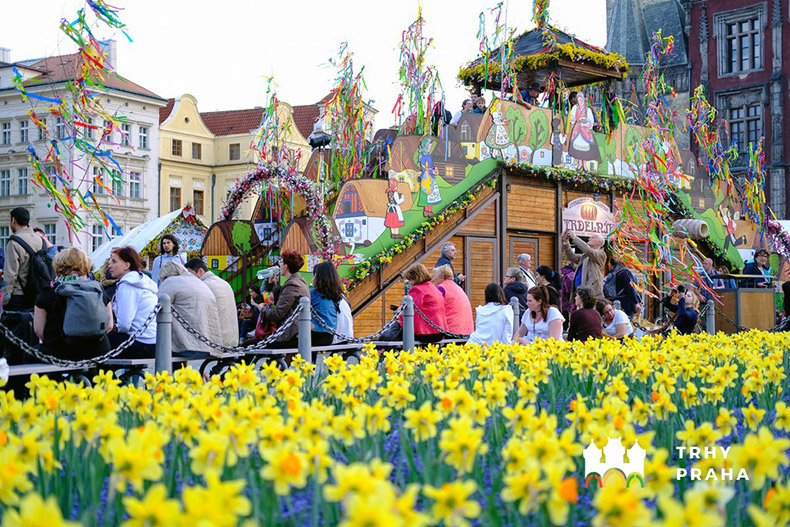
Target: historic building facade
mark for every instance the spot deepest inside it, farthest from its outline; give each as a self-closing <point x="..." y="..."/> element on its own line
<point x="740" y="51"/>
<point x="737" y="49"/>
<point x="631" y="25"/>
<point x="203" y="154"/>
<point x="136" y="150"/>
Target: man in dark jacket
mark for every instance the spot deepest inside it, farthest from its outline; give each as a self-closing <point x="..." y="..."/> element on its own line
<point x="626" y="293"/>
<point x="447" y="257"/>
<point x="516" y="286"/>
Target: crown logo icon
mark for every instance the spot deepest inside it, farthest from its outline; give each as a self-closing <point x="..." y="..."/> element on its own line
<point x="601" y="466"/>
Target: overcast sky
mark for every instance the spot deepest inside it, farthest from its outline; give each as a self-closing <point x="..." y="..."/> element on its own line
<point x="220" y="51"/>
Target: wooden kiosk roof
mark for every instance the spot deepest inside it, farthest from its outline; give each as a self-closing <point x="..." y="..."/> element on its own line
<point x="540" y="52"/>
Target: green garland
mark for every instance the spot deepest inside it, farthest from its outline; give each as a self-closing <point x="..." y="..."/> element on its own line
<point x="469" y="74"/>
<point x="577" y="178"/>
<point x="384" y="258"/>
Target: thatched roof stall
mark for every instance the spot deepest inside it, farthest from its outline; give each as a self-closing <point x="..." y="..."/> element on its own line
<point x="541" y="52"/>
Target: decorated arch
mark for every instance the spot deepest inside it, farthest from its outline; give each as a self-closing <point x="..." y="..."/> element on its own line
<point x="275" y="181"/>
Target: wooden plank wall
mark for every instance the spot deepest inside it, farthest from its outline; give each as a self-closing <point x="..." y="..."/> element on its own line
<point x="481" y="272"/>
<point x="531" y="207"/>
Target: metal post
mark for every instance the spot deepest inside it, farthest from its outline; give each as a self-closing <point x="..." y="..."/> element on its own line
<point x="408" y="324"/>
<point x="163" y="359"/>
<point x="305" y="338"/>
<point x="516" y="320"/>
<point x="616" y="305"/>
<point x="710" y="318"/>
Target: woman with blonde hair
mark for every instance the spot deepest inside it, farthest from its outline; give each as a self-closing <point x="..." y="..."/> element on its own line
<point x="428" y="299"/>
<point x="72" y="267"/>
<point x="457" y="308"/>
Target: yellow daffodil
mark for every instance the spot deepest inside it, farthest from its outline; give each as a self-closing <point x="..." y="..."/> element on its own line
<point x="35" y="512"/>
<point x="452" y="504"/>
<point x="286" y="467"/>
<point x="154" y="510"/>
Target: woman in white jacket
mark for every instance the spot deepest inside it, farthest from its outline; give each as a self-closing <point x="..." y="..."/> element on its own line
<point x="494" y="321"/>
<point x="135" y="299"/>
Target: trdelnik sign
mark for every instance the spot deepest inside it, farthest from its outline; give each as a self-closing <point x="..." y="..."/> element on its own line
<point x="585" y="217"/>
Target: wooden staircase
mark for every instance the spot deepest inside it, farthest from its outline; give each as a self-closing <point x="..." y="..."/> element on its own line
<point x="377" y="282"/>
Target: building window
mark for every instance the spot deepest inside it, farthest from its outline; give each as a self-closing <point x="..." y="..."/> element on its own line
<point x="60" y="128"/>
<point x="134" y="185"/>
<point x="176" y="151"/>
<point x="117" y="184"/>
<point x="6" y="135"/>
<point x="197" y="151"/>
<point x="5" y="233"/>
<point x="42" y="130"/>
<point x="740" y="38"/>
<point x="98" y="237"/>
<point x="107" y="133"/>
<point x="22" y="181"/>
<point x="5" y="183"/>
<point x="88" y="130"/>
<point x="50" y="231"/>
<point x="234" y="152"/>
<point x="143" y="137"/>
<point x="175" y="198"/>
<point x="127" y="132"/>
<point x="23" y="128"/>
<point x="197" y="199"/>
<point x="98" y="189"/>
<point x="746" y="125"/>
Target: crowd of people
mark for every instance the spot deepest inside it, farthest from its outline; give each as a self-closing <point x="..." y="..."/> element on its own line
<point x="575" y="302"/>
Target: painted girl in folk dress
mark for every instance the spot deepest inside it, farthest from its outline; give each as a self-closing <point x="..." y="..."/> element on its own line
<point x="582" y="144"/>
<point x="394" y="218"/>
<point x="429" y="188"/>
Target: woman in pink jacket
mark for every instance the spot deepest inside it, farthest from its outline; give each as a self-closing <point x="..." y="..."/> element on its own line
<point x="457" y="308"/>
<point x="427" y="299"/>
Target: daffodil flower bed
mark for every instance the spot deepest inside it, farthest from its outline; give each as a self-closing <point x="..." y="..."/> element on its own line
<point x="463" y="436"/>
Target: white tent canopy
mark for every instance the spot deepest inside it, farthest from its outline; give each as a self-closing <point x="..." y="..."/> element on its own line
<point x="138" y="238"/>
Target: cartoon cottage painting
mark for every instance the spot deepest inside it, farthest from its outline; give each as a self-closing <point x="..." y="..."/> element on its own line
<point x="361" y="209"/>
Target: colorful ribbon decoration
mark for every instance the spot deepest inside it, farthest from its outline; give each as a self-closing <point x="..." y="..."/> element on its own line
<point x="74" y="113"/>
<point x="419" y="82"/>
<point x="646" y="227"/>
<point x="347" y="117"/>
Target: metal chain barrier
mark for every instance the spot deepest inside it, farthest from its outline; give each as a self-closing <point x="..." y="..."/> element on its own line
<point x="358" y="340"/>
<point x="437" y="327"/>
<point x="238" y="350"/>
<point x="87" y="363"/>
<point x="738" y="327"/>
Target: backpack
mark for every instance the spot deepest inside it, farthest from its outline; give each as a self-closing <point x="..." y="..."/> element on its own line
<point x="610" y="286"/>
<point x="86" y="312"/>
<point x="40" y="272"/>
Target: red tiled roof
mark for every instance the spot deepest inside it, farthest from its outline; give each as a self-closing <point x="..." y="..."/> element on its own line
<point x="305" y="117"/>
<point x="230" y="122"/>
<point x="164" y="113"/>
<point x="62" y="68"/>
<point x="327" y="98"/>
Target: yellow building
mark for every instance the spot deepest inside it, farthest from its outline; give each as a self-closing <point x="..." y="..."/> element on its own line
<point x="203" y="154"/>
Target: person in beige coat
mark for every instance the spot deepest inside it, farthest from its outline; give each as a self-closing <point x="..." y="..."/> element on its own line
<point x="590" y="263"/>
<point x="226" y="300"/>
<point x="195" y="302"/>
